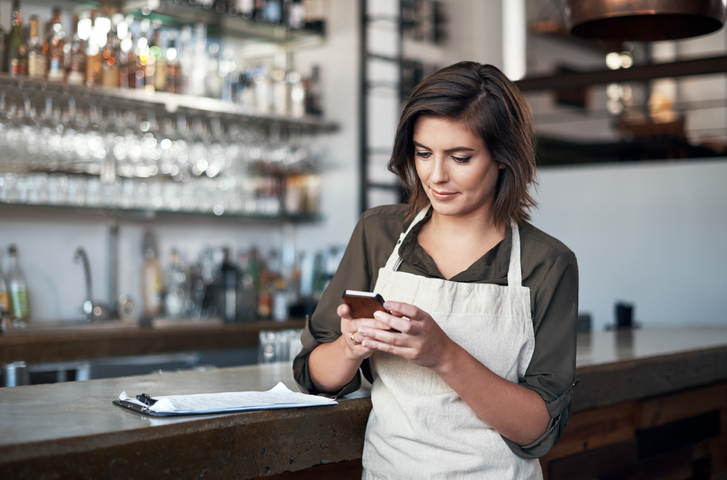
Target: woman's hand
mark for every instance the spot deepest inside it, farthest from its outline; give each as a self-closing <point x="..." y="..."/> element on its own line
<point x="410" y="333"/>
<point x="350" y="328"/>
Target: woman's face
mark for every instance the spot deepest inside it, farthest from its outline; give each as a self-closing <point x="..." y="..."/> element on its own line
<point x="455" y="168"/>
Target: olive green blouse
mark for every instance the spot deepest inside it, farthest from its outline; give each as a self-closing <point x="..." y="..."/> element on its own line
<point x="550" y="271"/>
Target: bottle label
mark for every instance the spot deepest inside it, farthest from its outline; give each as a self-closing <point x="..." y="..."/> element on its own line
<point x="18" y="66"/>
<point x="4" y="301"/>
<point x="152" y="291"/>
<point x="19" y="304"/>
<point x="36" y="66"/>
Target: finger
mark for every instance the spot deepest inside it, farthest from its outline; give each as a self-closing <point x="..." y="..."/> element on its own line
<point x="399" y="323"/>
<point x="344" y="311"/>
<point x="371" y="323"/>
<point x="401" y="309"/>
<point x="385" y="336"/>
<point x="372" y="344"/>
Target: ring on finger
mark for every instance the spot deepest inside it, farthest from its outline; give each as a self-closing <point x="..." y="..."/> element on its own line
<point x="353" y="338"/>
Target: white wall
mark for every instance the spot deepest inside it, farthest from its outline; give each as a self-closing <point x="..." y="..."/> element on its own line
<point x="649" y="234"/>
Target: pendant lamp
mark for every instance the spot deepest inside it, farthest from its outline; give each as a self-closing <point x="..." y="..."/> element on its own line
<point x="644" y="20"/>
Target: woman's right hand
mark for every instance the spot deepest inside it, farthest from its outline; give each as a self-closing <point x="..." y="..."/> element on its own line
<point x="350" y="335"/>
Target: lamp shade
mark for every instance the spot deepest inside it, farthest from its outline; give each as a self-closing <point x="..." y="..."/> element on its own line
<point x="644" y="20"/>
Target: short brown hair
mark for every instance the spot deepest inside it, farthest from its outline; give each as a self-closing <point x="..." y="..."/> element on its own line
<point x="490" y="106"/>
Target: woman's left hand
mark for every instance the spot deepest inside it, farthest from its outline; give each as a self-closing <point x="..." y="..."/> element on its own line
<point x="414" y="335"/>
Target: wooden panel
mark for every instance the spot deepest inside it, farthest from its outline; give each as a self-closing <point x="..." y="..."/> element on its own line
<point x="595" y="428"/>
<point x="718" y="448"/>
<point x="676" y="465"/>
<point x="592" y="464"/>
<point x="350" y="469"/>
<point x="671" y="407"/>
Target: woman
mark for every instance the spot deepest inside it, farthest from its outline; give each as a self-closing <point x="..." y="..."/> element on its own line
<point x="472" y="367"/>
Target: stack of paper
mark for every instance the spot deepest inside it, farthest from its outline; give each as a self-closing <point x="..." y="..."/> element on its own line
<point x="279" y="396"/>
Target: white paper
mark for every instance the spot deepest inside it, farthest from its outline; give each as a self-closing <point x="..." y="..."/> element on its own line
<point x="279" y="396"/>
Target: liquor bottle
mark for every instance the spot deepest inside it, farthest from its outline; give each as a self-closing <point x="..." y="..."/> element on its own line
<point x="273" y="11"/>
<point x="94" y="67"/>
<point x="199" y="60"/>
<point x="45" y="44"/>
<point x="3" y="63"/>
<point x="246" y="88"/>
<point x="229" y="283"/>
<point x="16" y="50"/>
<point x="174" y="72"/>
<point x="159" y="52"/>
<point x="259" y="13"/>
<point x="76" y="73"/>
<point x="213" y="81"/>
<point x="229" y="75"/>
<point x="295" y="14"/>
<point x="262" y="88"/>
<point x="18" y="289"/>
<point x="110" y="60"/>
<point x="186" y="60"/>
<point x="279" y="97"/>
<point x="4" y="297"/>
<point x="127" y="57"/>
<point x="313" y="104"/>
<point x="248" y="300"/>
<point x="246" y="8"/>
<point x="142" y="54"/>
<point x="56" y="47"/>
<point x="151" y="280"/>
<point x="36" y="59"/>
<point x="297" y="94"/>
<point x="175" y="286"/>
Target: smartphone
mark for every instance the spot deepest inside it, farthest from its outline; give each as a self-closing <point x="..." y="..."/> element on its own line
<point x="363" y="304"/>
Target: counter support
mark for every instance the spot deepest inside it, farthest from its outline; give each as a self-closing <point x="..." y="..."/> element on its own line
<point x="655" y="410"/>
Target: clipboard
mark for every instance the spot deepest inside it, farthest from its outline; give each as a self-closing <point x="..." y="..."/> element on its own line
<point x="144" y="410"/>
<point x="278" y="397"/>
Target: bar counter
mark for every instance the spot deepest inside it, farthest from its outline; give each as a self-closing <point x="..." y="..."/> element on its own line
<point x="637" y="388"/>
<point x="57" y="342"/>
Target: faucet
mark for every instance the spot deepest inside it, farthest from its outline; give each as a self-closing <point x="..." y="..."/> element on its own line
<point x="88" y="303"/>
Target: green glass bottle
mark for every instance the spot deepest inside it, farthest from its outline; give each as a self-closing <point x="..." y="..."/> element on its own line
<point x="18" y="290"/>
<point x="3" y="63"/>
<point x="16" y="49"/>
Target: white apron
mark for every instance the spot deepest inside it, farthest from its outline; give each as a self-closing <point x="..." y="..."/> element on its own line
<point x="419" y="428"/>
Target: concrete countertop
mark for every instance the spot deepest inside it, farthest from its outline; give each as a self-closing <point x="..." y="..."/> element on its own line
<point x="74" y="428"/>
<point x="622" y="365"/>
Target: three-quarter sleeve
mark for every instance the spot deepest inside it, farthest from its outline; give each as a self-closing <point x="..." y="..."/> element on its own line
<point x="324" y="325"/>
<point x="551" y="372"/>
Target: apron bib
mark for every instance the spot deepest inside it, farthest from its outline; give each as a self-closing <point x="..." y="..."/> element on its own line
<point x="419" y="428"/>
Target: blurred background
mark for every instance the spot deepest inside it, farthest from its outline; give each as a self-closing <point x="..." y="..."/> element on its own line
<point x="172" y="161"/>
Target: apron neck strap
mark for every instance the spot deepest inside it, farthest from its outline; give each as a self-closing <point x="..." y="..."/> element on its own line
<point x="514" y="271"/>
<point x="395" y="260"/>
